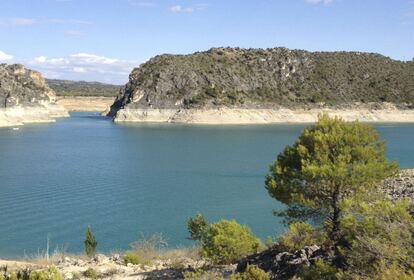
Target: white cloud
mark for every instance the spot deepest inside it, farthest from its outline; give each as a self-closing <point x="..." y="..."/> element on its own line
<point x="84" y="66"/>
<point x="180" y="9"/>
<point x="5" y="57"/>
<point x="79" y="70"/>
<point x="315" y="2"/>
<point x="40" y="59"/>
<point x="92" y="59"/>
<point x="17" y="21"/>
<point x="69" y="21"/>
<point x="74" y="33"/>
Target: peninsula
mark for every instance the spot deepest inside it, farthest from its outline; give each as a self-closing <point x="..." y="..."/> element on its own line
<point x="247" y="86"/>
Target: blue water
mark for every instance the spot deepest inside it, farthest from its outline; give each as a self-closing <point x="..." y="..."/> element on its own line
<point x="56" y="179"/>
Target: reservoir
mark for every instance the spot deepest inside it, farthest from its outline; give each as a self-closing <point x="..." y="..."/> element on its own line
<point x="124" y="180"/>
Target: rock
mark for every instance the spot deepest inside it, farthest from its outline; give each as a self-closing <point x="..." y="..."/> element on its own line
<point x="116" y="258"/>
<point x="101" y="259"/>
<point x="80" y="263"/>
<point x="26" y="97"/>
<point x="401" y="186"/>
<point x="283" y="265"/>
<point x="68" y="275"/>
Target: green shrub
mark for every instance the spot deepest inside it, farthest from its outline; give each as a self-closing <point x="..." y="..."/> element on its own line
<point x="198" y="228"/>
<point x="269" y="242"/>
<point x="380" y="234"/>
<point x="252" y="273"/>
<point x="320" y="270"/>
<point x="131" y="258"/>
<point x="91" y="273"/>
<point x="135" y="259"/>
<point x="395" y="272"/>
<point x="222" y="242"/>
<point x="299" y="235"/>
<point x="49" y="274"/>
<point x="201" y="275"/>
<point x="90" y="243"/>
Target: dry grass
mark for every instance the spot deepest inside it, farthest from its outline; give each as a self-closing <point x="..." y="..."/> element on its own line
<point x="44" y="258"/>
<point x="155" y="247"/>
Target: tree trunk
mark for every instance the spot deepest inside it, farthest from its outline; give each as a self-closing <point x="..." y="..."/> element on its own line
<point x="335" y="234"/>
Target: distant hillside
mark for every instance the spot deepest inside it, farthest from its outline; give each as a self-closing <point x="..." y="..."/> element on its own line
<point x="82" y="88"/>
<point x="267" y="78"/>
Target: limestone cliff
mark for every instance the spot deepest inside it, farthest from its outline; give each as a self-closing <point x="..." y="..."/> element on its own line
<point x="177" y="87"/>
<point x="25" y="97"/>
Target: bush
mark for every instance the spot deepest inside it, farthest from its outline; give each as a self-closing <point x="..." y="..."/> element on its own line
<point x="222" y="242"/>
<point x="133" y="258"/>
<point x="320" y="270"/>
<point x="229" y="241"/>
<point x="201" y="275"/>
<point x="49" y="274"/>
<point x="91" y="273"/>
<point x="395" y="272"/>
<point x="299" y="235"/>
<point x="380" y="237"/>
<point x="90" y="243"/>
<point x="252" y="273"/>
<point x="198" y="228"/>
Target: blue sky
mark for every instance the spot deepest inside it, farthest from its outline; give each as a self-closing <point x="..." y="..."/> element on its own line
<point x="104" y="39"/>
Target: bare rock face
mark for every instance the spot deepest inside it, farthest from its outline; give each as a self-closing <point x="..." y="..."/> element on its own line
<point x="20" y="86"/>
<point x="401" y="186"/>
<point x="266" y="79"/>
<point x="25" y="97"/>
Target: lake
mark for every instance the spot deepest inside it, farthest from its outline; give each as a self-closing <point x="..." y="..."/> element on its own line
<point x="123" y="180"/>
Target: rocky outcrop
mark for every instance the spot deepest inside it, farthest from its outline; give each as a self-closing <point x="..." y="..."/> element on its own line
<point x="401" y="186"/>
<point x="283" y="265"/>
<point x="265" y="83"/>
<point x="25" y="97"/>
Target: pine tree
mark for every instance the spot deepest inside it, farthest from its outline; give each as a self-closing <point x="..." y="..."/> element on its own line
<point x="331" y="161"/>
<point x="90" y="243"/>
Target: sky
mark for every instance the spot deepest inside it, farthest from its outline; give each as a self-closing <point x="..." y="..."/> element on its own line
<point x="103" y="40"/>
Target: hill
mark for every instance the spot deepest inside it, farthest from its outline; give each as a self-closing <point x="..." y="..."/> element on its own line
<point x="267" y="78"/>
<point x="82" y="88"/>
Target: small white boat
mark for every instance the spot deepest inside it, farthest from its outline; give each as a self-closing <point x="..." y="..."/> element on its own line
<point x="16" y="128"/>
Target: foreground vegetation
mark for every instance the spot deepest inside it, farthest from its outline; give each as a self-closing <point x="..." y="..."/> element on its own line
<point x="329" y="180"/>
<point x="330" y="177"/>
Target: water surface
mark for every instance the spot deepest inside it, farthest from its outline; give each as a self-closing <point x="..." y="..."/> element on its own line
<point x="55" y="179"/>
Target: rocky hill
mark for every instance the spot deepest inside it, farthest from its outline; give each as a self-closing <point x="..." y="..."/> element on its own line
<point x="25" y="97"/>
<point x="168" y="87"/>
<point x="82" y="88"/>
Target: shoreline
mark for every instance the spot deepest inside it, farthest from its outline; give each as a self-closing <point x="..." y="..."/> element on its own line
<point x="85" y="103"/>
<point x="232" y="116"/>
<point x="18" y="116"/>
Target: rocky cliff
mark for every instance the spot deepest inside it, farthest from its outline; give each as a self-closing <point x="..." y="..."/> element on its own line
<point x="25" y="97"/>
<point x="260" y="83"/>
